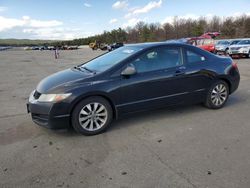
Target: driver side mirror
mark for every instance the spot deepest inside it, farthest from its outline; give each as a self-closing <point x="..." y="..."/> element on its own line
<point x="129" y="70"/>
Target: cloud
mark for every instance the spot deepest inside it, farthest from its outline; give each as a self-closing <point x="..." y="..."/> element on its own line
<point x="39" y="29"/>
<point x="120" y="5"/>
<point x="112" y="21"/>
<point x="54" y="33"/>
<point x="9" y="23"/>
<point x="238" y="14"/>
<point x="142" y="10"/>
<point x="2" y="9"/>
<point x="40" y="23"/>
<point x="170" y="19"/>
<point x="26" y="21"/>
<point x="87" y="5"/>
<point x="131" y="22"/>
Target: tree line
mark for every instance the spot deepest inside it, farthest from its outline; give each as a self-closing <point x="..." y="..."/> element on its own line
<point x="230" y="27"/>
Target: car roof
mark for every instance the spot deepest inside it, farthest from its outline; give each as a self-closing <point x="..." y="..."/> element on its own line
<point x="155" y="44"/>
<point x="223" y="40"/>
<point x="245" y="39"/>
<point x="149" y="45"/>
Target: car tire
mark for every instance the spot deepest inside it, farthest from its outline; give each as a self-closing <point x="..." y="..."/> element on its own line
<point x="217" y="95"/>
<point x="92" y="116"/>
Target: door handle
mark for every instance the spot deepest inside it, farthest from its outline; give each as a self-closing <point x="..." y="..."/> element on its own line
<point x="181" y="68"/>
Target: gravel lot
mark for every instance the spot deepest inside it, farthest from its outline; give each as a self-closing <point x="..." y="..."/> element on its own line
<point x="178" y="147"/>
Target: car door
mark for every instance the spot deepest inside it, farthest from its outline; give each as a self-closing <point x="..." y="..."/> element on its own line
<point x="197" y="77"/>
<point x="158" y="81"/>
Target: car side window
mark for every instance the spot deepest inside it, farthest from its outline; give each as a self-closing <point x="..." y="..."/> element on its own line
<point x="158" y="59"/>
<point x="193" y="57"/>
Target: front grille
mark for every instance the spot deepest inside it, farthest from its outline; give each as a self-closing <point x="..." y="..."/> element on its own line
<point x="235" y="48"/>
<point x="36" y="94"/>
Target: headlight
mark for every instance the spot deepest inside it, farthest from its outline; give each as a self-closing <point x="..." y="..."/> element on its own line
<point x="244" y="49"/>
<point x="53" y="97"/>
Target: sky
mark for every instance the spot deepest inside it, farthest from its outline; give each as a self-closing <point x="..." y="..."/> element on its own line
<point x="69" y="19"/>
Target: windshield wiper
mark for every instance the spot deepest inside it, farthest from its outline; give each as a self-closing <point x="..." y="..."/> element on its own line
<point x="89" y="70"/>
<point x="85" y="68"/>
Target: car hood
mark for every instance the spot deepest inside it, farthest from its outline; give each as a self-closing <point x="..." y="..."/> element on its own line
<point x="240" y="45"/>
<point x="221" y="46"/>
<point x="60" y="79"/>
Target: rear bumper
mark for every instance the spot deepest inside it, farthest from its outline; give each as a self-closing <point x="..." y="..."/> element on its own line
<point x="235" y="85"/>
<point x="234" y="79"/>
<point x="44" y="114"/>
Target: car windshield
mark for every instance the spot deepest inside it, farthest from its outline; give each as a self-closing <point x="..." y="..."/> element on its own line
<point x="108" y="60"/>
<point x="234" y="42"/>
<point x="244" y="42"/>
<point x="223" y="42"/>
<point x="208" y="41"/>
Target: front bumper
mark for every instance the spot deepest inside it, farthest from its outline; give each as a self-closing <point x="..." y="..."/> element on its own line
<point x="238" y="53"/>
<point x="49" y="115"/>
<point x="220" y="52"/>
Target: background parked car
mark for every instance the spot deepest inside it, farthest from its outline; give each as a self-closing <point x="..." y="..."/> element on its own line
<point x="222" y="46"/>
<point x="205" y="41"/>
<point x="206" y="44"/>
<point x="39" y="48"/>
<point x="241" y="49"/>
<point x="35" y="48"/>
<point x="51" y="48"/>
<point x="115" y="46"/>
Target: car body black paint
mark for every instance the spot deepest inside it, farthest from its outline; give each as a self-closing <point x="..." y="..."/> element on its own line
<point x="187" y="83"/>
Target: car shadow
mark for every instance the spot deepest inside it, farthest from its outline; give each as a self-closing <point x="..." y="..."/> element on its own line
<point x="171" y="112"/>
<point x="157" y="114"/>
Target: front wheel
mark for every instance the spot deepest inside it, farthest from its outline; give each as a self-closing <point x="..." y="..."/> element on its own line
<point x="92" y="116"/>
<point x="217" y="95"/>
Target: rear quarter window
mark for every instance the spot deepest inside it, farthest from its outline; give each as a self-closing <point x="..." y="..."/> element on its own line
<point x="193" y="57"/>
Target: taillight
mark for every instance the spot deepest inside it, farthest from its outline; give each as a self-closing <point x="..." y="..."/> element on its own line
<point x="235" y="65"/>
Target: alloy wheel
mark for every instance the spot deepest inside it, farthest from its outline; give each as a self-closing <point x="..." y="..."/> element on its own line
<point x="93" y="116"/>
<point x="219" y="95"/>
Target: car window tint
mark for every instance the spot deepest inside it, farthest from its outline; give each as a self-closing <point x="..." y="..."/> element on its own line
<point x="208" y="41"/>
<point x="234" y="42"/>
<point x="244" y="42"/>
<point x="110" y="59"/>
<point x="193" y="57"/>
<point x="158" y="59"/>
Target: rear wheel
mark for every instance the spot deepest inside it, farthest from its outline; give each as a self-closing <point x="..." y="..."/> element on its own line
<point x="92" y="116"/>
<point x="217" y="95"/>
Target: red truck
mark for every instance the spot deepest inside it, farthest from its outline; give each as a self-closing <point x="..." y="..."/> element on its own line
<point x="205" y="41"/>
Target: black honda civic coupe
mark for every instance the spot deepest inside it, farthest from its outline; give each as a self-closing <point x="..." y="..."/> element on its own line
<point x="132" y="78"/>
